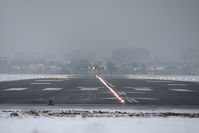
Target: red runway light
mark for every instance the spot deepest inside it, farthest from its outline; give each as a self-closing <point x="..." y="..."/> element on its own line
<point x="113" y="92"/>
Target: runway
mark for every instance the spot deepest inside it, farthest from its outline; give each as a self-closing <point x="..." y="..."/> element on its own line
<point x="89" y="90"/>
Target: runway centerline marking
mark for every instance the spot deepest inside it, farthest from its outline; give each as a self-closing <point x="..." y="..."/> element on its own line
<point x="142" y="88"/>
<point x="181" y="90"/>
<point x="52" y="89"/>
<point x="40" y="83"/>
<point x="15" y="89"/>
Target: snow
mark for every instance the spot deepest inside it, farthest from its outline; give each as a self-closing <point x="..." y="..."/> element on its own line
<point x="31" y="122"/>
<point x="99" y="125"/>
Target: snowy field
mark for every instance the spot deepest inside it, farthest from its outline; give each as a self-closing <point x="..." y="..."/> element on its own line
<point x="99" y="125"/>
<point x="79" y="121"/>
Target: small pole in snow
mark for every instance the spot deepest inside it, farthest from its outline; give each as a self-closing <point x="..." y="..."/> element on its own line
<point x="50" y="102"/>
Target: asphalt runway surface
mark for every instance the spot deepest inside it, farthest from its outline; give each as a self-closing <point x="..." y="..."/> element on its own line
<point x="89" y="90"/>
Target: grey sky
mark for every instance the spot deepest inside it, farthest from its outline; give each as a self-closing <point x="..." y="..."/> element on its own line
<point x="59" y="26"/>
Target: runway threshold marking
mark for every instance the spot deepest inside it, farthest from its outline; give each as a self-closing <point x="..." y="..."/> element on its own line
<point x="52" y="89"/>
<point x="15" y="89"/>
<point x="113" y="92"/>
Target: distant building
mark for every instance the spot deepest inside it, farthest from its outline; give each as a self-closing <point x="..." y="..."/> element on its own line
<point x="131" y="54"/>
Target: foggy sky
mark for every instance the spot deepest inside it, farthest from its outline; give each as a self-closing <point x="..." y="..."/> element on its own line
<point x="59" y="26"/>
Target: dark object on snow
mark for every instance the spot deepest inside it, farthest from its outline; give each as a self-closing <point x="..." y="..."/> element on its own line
<point x="14" y="114"/>
<point x="34" y="113"/>
<point x="50" y="102"/>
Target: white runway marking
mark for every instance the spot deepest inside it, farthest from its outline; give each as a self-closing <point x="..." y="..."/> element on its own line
<point x="52" y="89"/>
<point x="131" y="100"/>
<point x="15" y="89"/>
<point x="105" y="92"/>
<point x="128" y="87"/>
<point x="109" y="98"/>
<point x="157" y="81"/>
<point x="182" y="90"/>
<point x="177" y="84"/>
<point x="101" y="87"/>
<point x="134" y="99"/>
<point x="40" y="83"/>
<point x="56" y="80"/>
<point x="138" y="92"/>
<point x="138" y="89"/>
<point x="124" y="93"/>
<point x="111" y="85"/>
<point x="89" y="89"/>
<point x="121" y="92"/>
<point x="142" y="89"/>
<point x="145" y="98"/>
